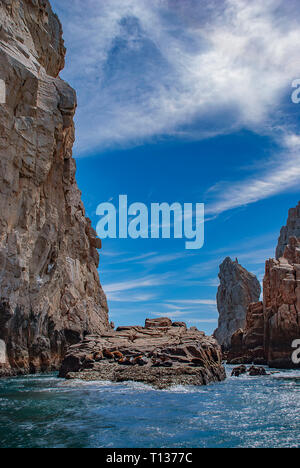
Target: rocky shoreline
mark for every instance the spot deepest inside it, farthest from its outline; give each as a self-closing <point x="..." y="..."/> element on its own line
<point x="160" y="354"/>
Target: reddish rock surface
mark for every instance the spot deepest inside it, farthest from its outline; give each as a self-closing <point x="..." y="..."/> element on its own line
<point x="158" y="354"/>
<point x="247" y="345"/>
<point x="272" y="326"/>
<point x="282" y="306"/>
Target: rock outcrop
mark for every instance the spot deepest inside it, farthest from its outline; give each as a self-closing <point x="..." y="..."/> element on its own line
<point x="160" y="354"/>
<point x="292" y="229"/>
<point x="272" y="326"/>
<point x="50" y="294"/>
<point x="238" y="288"/>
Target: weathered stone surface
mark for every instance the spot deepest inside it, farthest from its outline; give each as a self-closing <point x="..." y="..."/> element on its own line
<point x="50" y="295"/>
<point x="291" y="229"/>
<point x="247" y="345"/>
<point x="272" y="327"/>
<point x="160" y="356"/>
<point x="238" y="288"/>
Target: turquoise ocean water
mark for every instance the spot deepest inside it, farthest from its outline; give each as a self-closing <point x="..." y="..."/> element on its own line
<point x="44" y="411"/>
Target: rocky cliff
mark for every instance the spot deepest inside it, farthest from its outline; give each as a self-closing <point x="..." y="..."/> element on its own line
<point x="272" y="326"/>
<point x="291" y="229"/>
<point x="238" y="288"/>
<point x="50" y="294"/>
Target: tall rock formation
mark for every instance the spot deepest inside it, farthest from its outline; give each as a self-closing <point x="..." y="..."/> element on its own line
<point x="272" y="326"/>
<point x="50" y="294"/>
<point x="292" y="229"/>
<point x="238" y="288"/>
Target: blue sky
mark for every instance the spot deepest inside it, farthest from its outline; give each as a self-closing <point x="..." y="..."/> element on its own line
<point x="186" y="101"/>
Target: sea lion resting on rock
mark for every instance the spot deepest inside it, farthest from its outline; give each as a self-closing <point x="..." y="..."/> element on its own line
<point x="125" y="361"/>
<point x="140" y="360"/>
<point x="98" y="356"/>
<point x="117" y="355"/>
<point x="161" y="363"/>
<point x="108" y="354"/>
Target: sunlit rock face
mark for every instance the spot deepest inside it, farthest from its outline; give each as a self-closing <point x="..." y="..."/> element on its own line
<point x="238" y="288"/>
<point x="50" y="294"/>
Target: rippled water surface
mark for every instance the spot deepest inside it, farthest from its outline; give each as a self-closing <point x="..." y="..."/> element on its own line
<point x="43" y="411"/>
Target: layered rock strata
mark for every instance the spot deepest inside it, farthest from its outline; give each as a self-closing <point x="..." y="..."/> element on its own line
<point x="238" y="288"/>
<point x="50" y="294"/>
<point x="160" y="354"/>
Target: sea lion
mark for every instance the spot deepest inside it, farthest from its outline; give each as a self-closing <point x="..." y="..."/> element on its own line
<point x="108" y="354"/>
<point x="98" y="356"/>
<point x="167" y="364"/>
<point x="125" y="361"/>
<point x="117" y="355"/>
<point x="140" y="361"/>
<point x="157" y="363"/>
<point x="163" y="364"/>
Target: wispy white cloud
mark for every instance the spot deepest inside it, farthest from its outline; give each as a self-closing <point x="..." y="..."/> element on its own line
<point x="196" y="301"/>
<point x="148" y="281"/>
<point x="283" y="173"/>
<point x="158" y="259"/>
<point x="145" y="69"/>
<point x="193" y="69"/>
<point x="127" y="258"/>
<point x="129" y="297"/>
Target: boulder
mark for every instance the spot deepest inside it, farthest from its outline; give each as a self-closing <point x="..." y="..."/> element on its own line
<point x="159" y="322"/>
